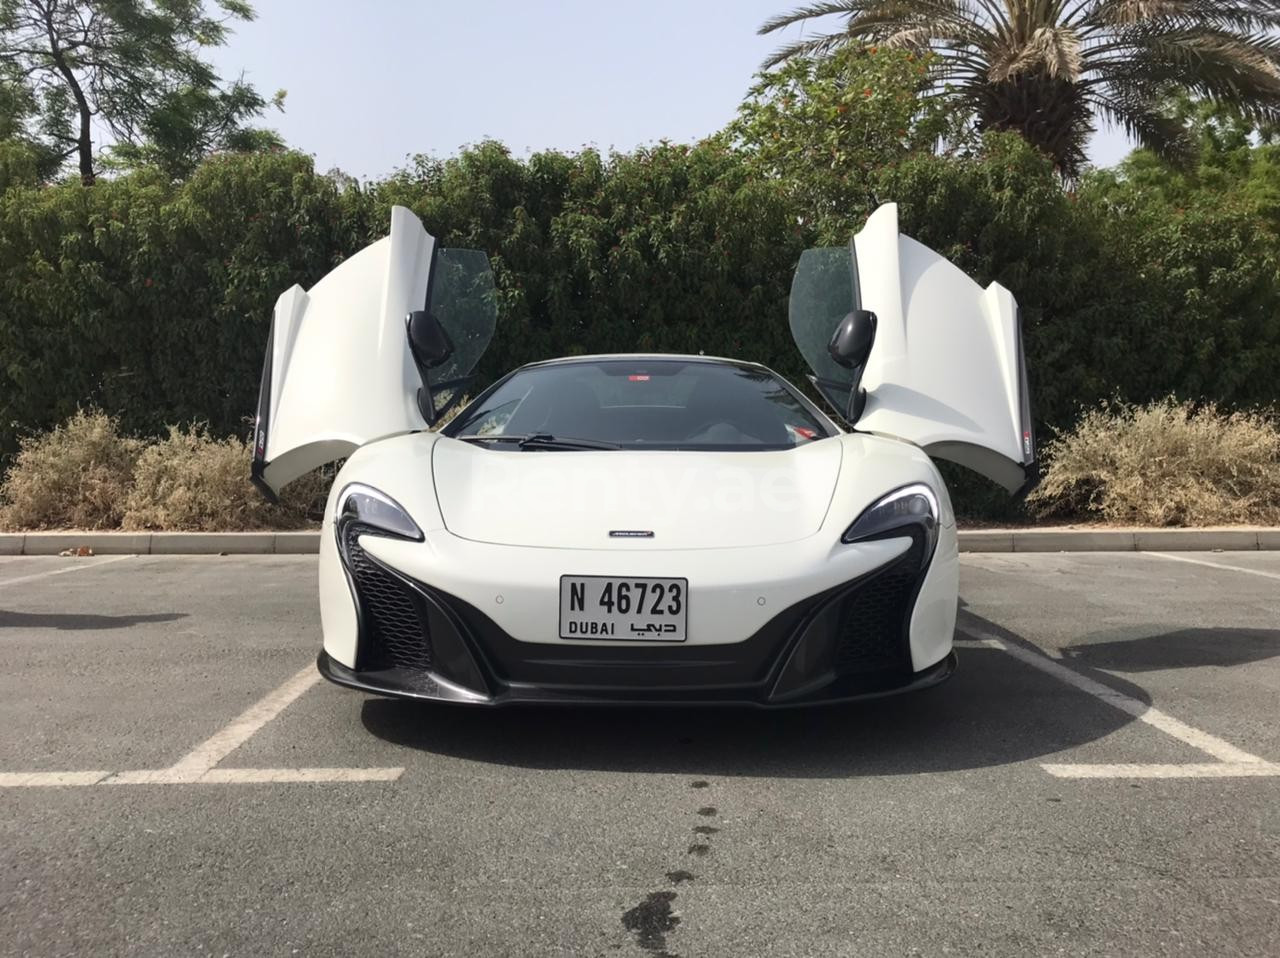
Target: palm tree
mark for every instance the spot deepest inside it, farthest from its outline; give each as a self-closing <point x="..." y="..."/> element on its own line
<point x="1046" y="68"/>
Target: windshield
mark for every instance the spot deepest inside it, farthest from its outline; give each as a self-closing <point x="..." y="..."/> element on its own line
<point x="645" y="404"/>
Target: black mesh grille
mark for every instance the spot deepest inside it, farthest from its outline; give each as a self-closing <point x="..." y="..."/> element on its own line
<point x="394" y="632"/>
<point x="873" y="634"/>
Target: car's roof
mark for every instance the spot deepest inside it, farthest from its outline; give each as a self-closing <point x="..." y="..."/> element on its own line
<point x="642" y="357"/>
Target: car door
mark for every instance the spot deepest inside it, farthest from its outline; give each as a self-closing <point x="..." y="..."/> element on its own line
<point x="339" y="372"/>
<point x="946" y="369"/>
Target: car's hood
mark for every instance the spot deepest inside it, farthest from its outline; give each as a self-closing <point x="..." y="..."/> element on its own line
<point x="634" y="500"/>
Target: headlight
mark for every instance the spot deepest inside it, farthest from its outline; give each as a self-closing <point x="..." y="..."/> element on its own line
<point x="370" y="507"/>
<point x="909" y="511"/>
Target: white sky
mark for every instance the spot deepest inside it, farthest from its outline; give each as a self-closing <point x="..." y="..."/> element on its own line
<point x="371" y="83"/>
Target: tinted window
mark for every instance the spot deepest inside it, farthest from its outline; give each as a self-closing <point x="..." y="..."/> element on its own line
<point x="654" y="404"/>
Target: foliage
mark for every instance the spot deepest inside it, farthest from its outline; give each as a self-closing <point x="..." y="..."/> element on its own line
<point x="1164" y="464"/>
<point x="1203" y="242"/>
<point x="191" y="481"/>
<point x="825" y="128"/>
<point x="133" y="66"/>
<point x="152" y="300"/>
<point x="670" y="248"/>
<point x="75" y="476"/>
<point x="1228" y="157"/>
<point x="1045" y="70"/>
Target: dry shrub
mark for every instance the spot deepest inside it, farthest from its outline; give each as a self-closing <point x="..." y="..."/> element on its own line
<point x="76" y="476"/>
<point x="1164" y="464"/>
<point x="193" y="482"/>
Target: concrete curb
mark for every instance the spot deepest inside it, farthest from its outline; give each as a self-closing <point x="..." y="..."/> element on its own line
<point x="161" y="543"/>
<point x="1120" y="540"/>
<point x="971" y="540"/>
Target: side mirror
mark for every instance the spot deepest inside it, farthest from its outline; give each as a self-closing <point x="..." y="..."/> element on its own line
<point x="851" y="343"/>
<point x="850" y="348"/>
<point x="427" y="338"/>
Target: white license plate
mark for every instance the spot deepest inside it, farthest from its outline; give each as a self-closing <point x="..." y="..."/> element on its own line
<point x="640" y="610"/>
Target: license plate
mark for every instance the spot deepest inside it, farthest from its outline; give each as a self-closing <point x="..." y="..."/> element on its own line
<point x="639" y="610"/>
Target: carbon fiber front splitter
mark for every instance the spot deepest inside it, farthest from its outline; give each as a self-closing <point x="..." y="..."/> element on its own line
<point x="425" y="686"/>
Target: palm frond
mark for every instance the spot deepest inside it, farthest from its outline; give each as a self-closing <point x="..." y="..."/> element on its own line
<point x="1055" y="51"/>
<point x="816" y="45"/>
<point x="1239" y="15"/>
<point x="812" y="11"/>
<point x="1143" y="121"/>
<point x="1045" y="67"/>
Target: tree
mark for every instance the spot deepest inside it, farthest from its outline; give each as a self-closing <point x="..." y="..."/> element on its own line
<point x="825" y="127"/>
<point x="133" y="66"/>
<point x="1046" y="68"/>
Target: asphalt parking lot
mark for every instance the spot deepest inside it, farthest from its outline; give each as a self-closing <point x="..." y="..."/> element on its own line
<point x="1100" y="777"/>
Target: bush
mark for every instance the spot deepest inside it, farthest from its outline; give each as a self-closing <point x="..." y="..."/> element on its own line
<point x="194" y="482"/>
<point x="151" y="299"/>
<point x="75" y="476"/>
<point x="1164" y="464"/>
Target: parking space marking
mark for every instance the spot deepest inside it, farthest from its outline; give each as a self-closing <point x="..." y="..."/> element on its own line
<point x="199" y="766"/>
<point x="1231" y="761"/>
<point x="45" y="779"/>
<point x="1203" y="770"/>
<point x="243" y="776"/>
<point x="977" y="644"/>
<point x="1215" y="565"/>
<point x="214" y="749"/>
<point x="78" y="567"/>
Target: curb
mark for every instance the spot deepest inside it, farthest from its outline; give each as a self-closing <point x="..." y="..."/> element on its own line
<point x="161" y="543"/>
<point x="1119" y="540"/>
<point x="971" y="540"/>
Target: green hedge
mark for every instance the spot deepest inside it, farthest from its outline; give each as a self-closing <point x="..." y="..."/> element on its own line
<point x="151" y="299"/>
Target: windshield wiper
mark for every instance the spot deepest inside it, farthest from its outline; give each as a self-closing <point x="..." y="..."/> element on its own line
<point x="543" y="440"/>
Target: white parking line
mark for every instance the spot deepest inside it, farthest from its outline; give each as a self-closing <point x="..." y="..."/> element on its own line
<point x="45" y="779"/>
<point x="978" y="644"/>
<point x="245" y="776"/>
<point x="1232" y="762"/>
<point x="63" y="570"/>
<point x="1215" y="565"/>
<point x="1203" y="770"/>
<point x="214" y="749"/>
<point x="199" y="766"/>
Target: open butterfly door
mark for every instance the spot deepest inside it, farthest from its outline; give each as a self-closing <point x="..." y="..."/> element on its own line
<point x="339" y="371"/>
<point x="946" y="369"/>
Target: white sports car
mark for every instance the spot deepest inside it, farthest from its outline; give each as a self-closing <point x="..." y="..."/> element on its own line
<point x="642" y="528"/>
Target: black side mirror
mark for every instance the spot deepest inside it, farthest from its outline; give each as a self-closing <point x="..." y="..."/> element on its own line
<point x="851" y="343"/>
<point x="850" y="348"/>
<point x="427" y="338"/>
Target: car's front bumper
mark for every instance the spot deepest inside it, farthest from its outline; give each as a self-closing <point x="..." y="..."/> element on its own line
<point x="851" y="640"/>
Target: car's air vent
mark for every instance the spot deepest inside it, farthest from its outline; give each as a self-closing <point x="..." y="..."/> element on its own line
<point x="393" y="618"/>
<point x="874" y="619"/>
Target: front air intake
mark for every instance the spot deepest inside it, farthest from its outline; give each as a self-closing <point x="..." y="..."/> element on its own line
<point x="393" y="617"/>
<point x="875" y="618"/>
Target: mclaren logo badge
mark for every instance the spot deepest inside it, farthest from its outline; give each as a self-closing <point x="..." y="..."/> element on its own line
<point x="630" y="533"/>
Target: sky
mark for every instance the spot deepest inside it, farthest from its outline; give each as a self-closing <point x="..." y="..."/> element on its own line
<point x="371" y="83"/>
